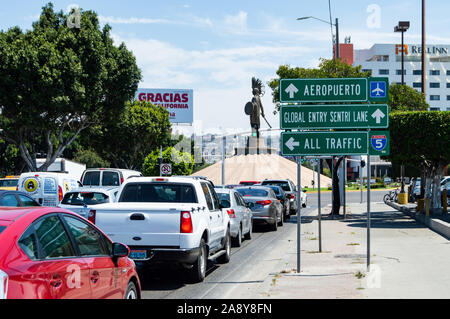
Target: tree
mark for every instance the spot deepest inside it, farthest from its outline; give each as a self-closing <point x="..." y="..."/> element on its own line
<point x="141" y="128"/>
<point x="182" y="162"/>
<point x="421" y="139"/>
<point x="10" y="161"/>
<point x="57" y="80"/>
<point x="327" y="69"/>
<point x="405" y="98"/>
<point x="90" y="158"/>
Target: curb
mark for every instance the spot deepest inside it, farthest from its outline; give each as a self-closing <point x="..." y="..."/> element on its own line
<point x="436" y="225"/>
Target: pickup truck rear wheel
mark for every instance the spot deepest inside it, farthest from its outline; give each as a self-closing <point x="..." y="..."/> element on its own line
<point x="225" y="258"/>
<point x="198" y="271"/>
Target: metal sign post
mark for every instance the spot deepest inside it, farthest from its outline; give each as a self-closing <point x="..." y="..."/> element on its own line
<point x="299" y="209"/>
<point x="224" y="139"/>
<point x="344" y="177"/>
<point x="368" y="212"/>
<point x="319" y="206"/>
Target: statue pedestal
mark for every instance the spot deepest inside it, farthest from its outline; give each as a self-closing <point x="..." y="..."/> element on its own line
<point x="255" y="146"/>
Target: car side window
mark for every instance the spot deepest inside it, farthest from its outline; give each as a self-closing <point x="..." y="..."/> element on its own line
<point x="237" y="199"/>
<point x="28" y="243"/>
<point x="91" y="178"/>
<point x="53" y="239"/>
<point x="10" y="201"/>
<point x="214" y="197"/>
<point x="27" y="202"/>
<point x="208" y="198"/>
<point x="87" y="238"/>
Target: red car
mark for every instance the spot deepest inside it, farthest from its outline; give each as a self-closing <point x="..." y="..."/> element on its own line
<point x="52" y="253"/>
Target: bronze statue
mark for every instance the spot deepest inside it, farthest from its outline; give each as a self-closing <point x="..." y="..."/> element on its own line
<point x="255" y="108"/>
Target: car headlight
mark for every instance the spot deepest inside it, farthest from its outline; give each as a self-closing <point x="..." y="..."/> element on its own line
<point x="3" y="285"/>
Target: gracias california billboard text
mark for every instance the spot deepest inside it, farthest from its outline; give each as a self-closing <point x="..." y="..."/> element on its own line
<point x="178" y="102"/>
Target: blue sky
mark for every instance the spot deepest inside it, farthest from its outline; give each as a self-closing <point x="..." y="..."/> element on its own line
<point x="215" y="47"/>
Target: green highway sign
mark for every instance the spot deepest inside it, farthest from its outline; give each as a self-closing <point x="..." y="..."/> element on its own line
<point x="334" y="90"/>
<point x="324" y="143"/>
<point x="343" y="116"/>
<point x="379" y="143"/>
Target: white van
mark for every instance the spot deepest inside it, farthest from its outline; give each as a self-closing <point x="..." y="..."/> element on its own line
<point x="107" y="177"/>
<point x="47" y="188"/>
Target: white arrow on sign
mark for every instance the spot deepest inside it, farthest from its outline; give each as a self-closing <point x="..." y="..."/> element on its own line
<point x="291" y="143"/>
<point x="291" y="90"/>
<point x="378" y="114"/>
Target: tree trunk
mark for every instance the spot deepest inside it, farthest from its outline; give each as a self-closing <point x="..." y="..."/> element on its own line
<point x="336" y="195"/>
<point x="436" y="203"/>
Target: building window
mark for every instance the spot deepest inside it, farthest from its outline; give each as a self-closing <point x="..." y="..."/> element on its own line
<point x="383" y="72"/>
<point x="448" y="72"/>
<point x="435" y="97"/>
<point x="448" y="109"/>
<point x="417" y="72"/>
<point x="399" y="72"/>
<point x="448" y="97"/>
<point x="435" y="109"/>
<point x="366" y="70"/>
<point x="435" y="72"/>
<point x="448" y="85"/>
<point x="435" y="85"/>
<point x="417" y="84"/>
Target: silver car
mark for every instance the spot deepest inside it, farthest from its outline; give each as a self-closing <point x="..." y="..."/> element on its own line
<point x="82" y="200"/>
<point x="239" y="213"/>
<point x="264" y="204"/>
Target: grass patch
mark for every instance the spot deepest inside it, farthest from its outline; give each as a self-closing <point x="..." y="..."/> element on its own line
<point x="360" y="275"/>
<point x="353" y="244"/>
<point x="313" y="238"/>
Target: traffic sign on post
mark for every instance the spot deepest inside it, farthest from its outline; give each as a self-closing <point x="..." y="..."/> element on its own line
<point x="334" y="90"/>
<point x="379" y="143"/>
<point x="166" y="169"/>
<point x="348" y="116"/>
<point x="324" y="143"/>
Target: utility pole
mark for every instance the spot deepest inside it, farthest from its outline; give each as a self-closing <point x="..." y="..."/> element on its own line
<point x="424" y="50"/>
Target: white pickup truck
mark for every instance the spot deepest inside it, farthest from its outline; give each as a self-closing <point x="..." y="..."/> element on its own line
<point x="168" y="219"/>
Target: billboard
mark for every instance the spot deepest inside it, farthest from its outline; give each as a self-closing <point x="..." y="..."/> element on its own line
<point x="179" y="102"/>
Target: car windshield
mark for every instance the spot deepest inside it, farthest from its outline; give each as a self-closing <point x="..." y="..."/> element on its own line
<point x="253" y="192"/>
<point x="283" y="185"/>
<point x="159" y="193"/>
<point x="2" y="228"/>
<point x="81" y="198"/>
<point x="9" y="182"/>
<point x="91" y="178"/>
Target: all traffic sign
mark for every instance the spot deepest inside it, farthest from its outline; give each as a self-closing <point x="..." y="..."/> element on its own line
<point x="334" y="90"/>
<point x="324" y="143"/>
<point x="351" y="116"/>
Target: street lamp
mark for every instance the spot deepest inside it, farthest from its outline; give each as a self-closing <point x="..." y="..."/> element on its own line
<point x="402" y="27"/>
<point x="329" y="23"/>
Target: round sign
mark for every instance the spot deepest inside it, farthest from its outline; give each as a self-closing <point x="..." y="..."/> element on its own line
<point x="248" y="108"/>
<point x="30" y="185"/>
<point x="166" y="169"/>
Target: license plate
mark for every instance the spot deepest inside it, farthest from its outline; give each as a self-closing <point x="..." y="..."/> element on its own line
<point x="138" y="254"/>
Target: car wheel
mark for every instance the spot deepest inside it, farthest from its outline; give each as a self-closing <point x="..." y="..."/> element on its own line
<point x="274" y="226"/>
<point x="131" y="292"/>
<point x="237" y="241"/>
<point x="281" y="220"/>
<point x="198" y="271"/>
<point x="248" y="236"/>
<point x="225" y="258"/>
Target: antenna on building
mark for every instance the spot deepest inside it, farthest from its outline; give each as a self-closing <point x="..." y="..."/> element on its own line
<point x="348" y="40"/>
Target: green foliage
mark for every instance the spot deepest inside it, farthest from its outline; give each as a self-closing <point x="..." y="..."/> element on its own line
<point x="10" y="161"/>
<point x="418" y="137"/>
<point x="405" y="98"/>
<point x="91" y="159"/>
<point x="55" y="81"/>
<point x="182" y="162"/>
<point x="141" y="128"/>
<point x="327" y="69"/>
<point x="327" y="172"/>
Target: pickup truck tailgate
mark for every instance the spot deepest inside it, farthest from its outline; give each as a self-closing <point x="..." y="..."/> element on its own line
<point x="141" y="224"/>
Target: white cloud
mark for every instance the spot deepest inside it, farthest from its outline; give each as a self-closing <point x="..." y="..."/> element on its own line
<point x="133" y="20"/>
<point x="237" y="23"/>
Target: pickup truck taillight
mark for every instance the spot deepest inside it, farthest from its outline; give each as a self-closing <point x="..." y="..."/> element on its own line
<point x="264" y="202"/>
<point x="290" y="196"/>
<point x="186" y="223"/>
<point x="231" y="213"/>
<point x="91" y="216"/>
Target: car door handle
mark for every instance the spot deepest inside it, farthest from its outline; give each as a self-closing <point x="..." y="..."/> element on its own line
<point x="137" y="216"/>
<point x="56" y="281"/>
<point x="95" y="277"/>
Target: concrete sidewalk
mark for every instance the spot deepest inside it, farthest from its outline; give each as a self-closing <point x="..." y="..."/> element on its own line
<point x="407" y="259"/>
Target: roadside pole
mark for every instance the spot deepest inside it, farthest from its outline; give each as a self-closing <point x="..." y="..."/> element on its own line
<point x="224" y="139"/>
<point x="319" y="204"/>
<point x="361" y="178"/>
<point x="344" y="175"/>
<point x="368" y="211"/>
<point x="299" y="209"/>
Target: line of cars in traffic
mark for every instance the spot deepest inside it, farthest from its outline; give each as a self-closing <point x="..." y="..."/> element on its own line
<point x="91" y="242"/>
